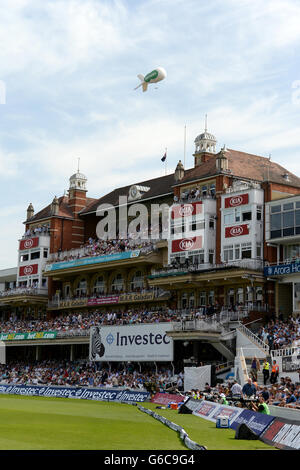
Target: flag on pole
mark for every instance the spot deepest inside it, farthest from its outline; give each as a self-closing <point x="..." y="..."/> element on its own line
<point x="163" y="159"/>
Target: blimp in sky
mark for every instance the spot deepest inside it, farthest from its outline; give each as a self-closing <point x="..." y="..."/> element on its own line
<point x="155" y="76"/>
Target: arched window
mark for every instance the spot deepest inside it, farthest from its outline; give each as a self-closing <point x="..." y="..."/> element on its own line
<point x="81" y="289"/>
<point x="137" y="282"/>
<point x="99" y="286"/>
<point x="118" y="283"/>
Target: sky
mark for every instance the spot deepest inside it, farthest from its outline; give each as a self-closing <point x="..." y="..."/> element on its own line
<point x="68" y="69"/>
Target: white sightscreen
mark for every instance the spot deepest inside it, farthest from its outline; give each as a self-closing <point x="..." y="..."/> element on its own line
<point x="196" y="377"/>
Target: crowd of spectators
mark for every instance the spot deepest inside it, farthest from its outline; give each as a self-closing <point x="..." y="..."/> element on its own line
<point x="21" y="290"/>
<point x="279" y="334"/>
<point x="196" y="194"/>
<point x="86" y="374"/>
<point x="40" y="230"/>
<point x="82" y="321"/>
<point x="285" y="393"/>
<point x="104" y="247"/>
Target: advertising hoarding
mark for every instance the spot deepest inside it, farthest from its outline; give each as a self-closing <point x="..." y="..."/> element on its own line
<point x="144" y="343"/>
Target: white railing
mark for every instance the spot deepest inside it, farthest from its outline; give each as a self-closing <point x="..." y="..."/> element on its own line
<point x="23" y="291"/>
<point x="198" y="325"/>
<point x="255" y="339"/>
<point x="250" y="263"/>
<point x="39" y="232"/>
<point x="293" y="351"/>
<point x="241" y="371"/>
<point x="283" y="262"/>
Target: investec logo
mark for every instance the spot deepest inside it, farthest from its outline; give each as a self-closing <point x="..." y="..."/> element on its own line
<point x="28" y="243"/>
<point x="28" y="270"/>
<point x="186" y="210"/>
<point x="235" y="201"/>
<point x="186" y="244"/>
<point x="138" y="340"/>
<point x="236" y="231"/>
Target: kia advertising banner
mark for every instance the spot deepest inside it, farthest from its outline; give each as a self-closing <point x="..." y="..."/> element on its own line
<point x="206" y="409"/>
<point x="166" y="398"/>
<point x="236" y="231"/>
<point x="29" y="243"/>
<point x="235" y="201"/>
<point x="142" y="343"/>
<point x="186" y="210"/>
<point x="28" y="270"/>
<point x="187" y="244"/>
<point x="212" y="410"/>
<point x="224" y="410"/>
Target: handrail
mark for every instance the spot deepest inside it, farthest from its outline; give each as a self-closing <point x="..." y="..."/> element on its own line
<point x="241" y="364"/>
<point x="255" y="339"/>
<point x="285" y="352"/>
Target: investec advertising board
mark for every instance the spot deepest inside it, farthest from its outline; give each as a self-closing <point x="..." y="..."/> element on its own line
<point x="141" y="343"/>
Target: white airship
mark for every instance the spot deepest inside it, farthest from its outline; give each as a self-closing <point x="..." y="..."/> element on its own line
<point x="155" y="76"/>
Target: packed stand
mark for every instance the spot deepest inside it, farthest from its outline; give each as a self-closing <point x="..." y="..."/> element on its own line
<point x="85" y="374"/>
<point x="280" y="335"/>
<point x="84" y="321"/>
<point x="285" y="393"/>
<point x="104" y="247"/>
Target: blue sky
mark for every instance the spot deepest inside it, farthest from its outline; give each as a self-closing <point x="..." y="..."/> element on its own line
<point x="69" y="69"/>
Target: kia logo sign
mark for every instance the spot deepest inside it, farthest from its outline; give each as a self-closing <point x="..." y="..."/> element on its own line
<point x="236" y="231"/>
<point x="186" y="244"/>
<point x="28" y="270"/>
<point x="186" y="211"/>
<point x="28" y="243"/>
<point x="235" y="201"/>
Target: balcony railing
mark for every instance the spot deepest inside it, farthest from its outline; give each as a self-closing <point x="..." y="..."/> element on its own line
<point x="23" y="291"/>
<point x="110" y="299"/>
<point x="38" y="232"/>
<point x="185" y="268"/>
<point x="188" y="197"/>
<point x="294" y="259"/>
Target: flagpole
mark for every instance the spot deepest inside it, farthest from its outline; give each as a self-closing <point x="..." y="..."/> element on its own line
<point x="166" y="162"/>
<point x="184" y="146"/>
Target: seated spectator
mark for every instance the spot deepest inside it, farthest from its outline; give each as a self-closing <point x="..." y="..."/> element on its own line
<point x="249" y="389"/>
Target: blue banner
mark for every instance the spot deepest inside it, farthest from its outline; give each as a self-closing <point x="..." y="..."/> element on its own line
<point x="98" y="394"/>
<point x="258" y="422"/>
<point x="92" y="260"/>
<point x="282" y="269"/>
